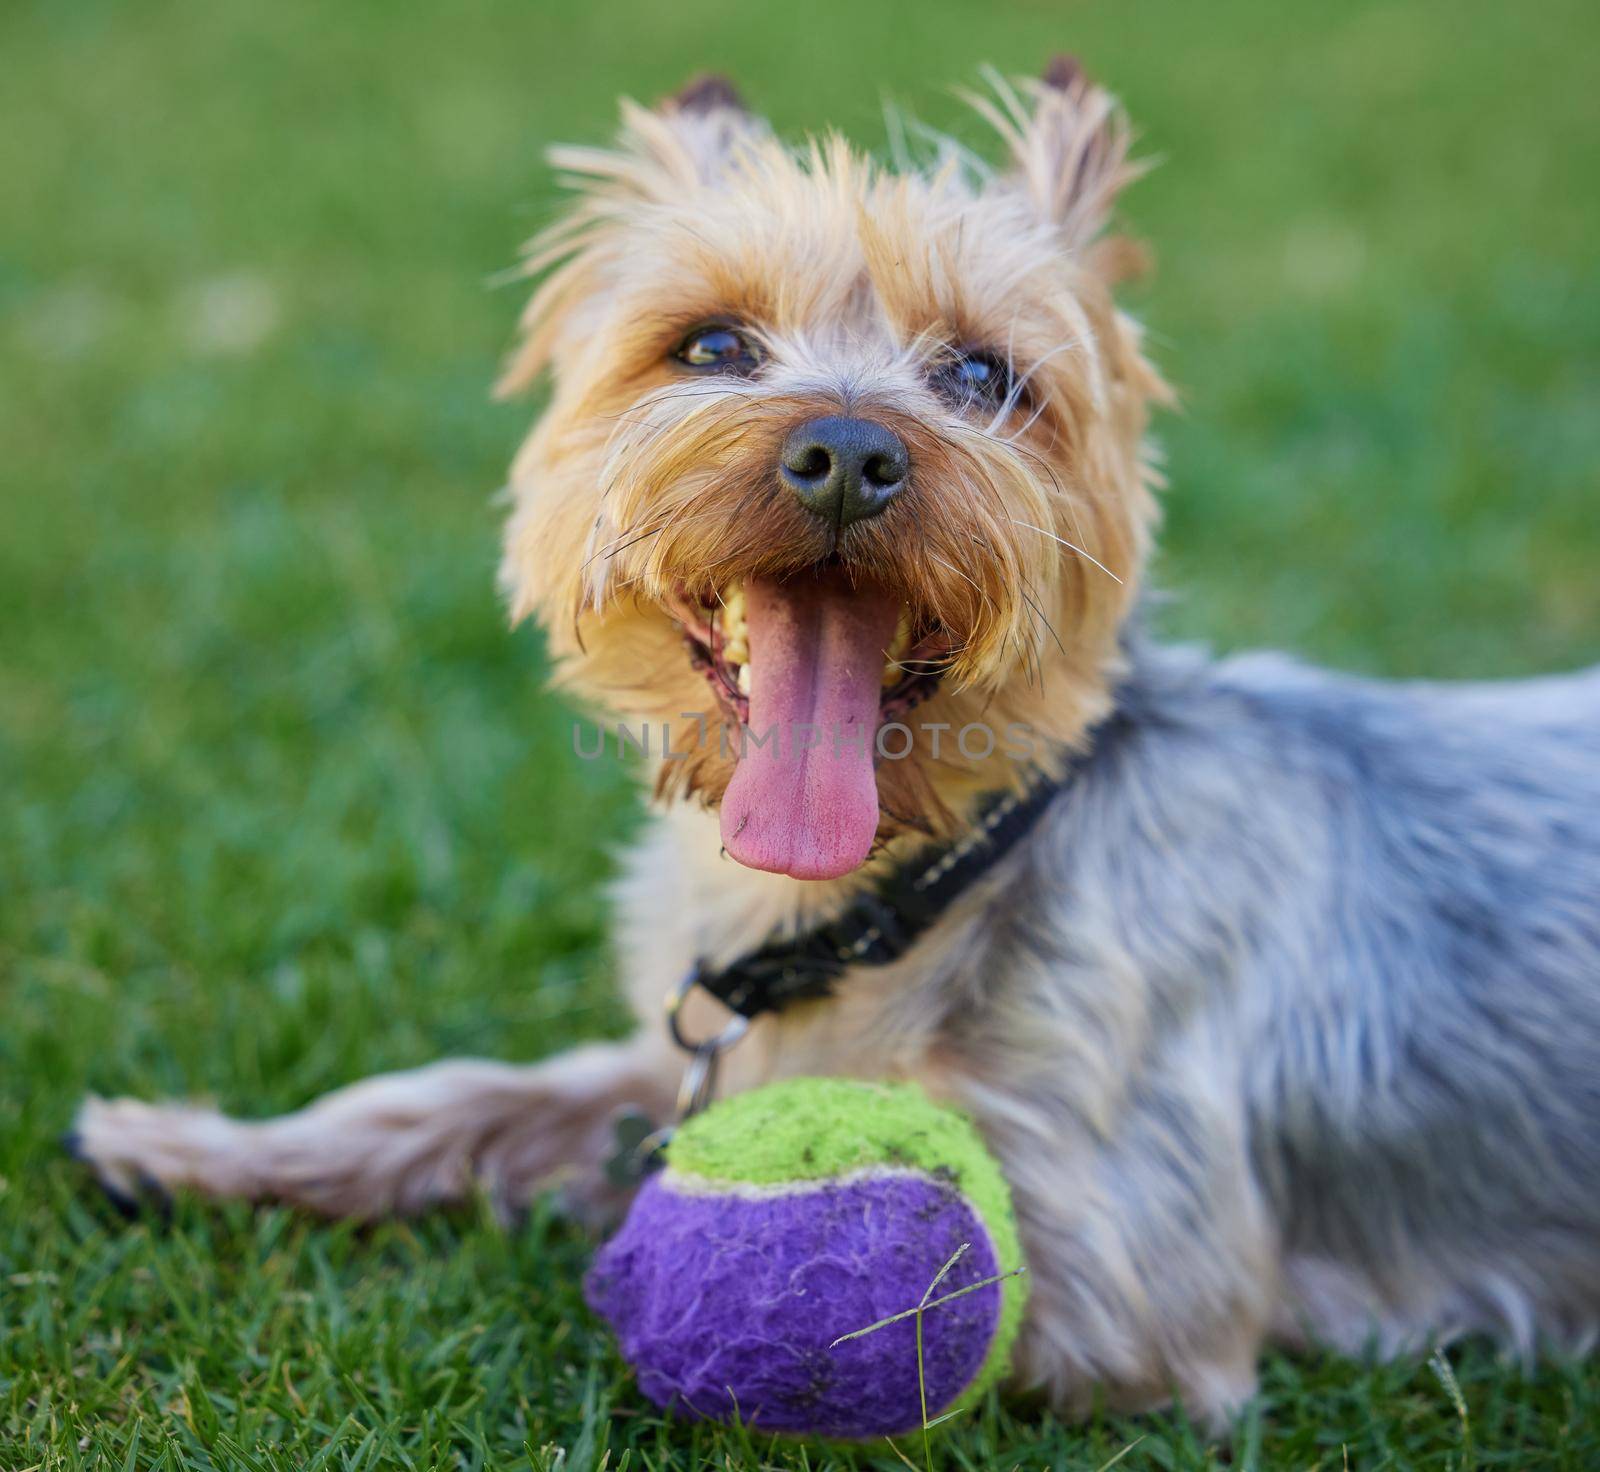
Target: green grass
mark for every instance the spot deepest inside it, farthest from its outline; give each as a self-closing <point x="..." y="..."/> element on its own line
<point x="280" y="801"/>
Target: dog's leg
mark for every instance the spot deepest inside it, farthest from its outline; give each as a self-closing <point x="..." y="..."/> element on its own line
<point x="1151" y="1257"/>
<point x="396" y="1143"/>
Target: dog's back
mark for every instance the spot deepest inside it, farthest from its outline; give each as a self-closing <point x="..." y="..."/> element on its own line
<point x="1424" y="1086"/>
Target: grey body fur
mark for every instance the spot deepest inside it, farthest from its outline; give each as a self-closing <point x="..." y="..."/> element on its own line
<point x="1284" y="1022"/>
<point x="1374" y="910"/>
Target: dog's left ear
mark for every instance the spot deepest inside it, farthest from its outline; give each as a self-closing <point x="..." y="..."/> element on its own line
<point x="1069" y="143"/>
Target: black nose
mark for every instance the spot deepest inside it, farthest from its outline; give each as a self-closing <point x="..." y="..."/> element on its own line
<point x="843" y="469"/>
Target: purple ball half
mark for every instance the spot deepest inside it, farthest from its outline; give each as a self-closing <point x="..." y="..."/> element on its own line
<point x="728" y="1304"/>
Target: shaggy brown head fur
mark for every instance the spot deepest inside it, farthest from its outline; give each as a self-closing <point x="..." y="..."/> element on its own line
<point x="712" y="290"/>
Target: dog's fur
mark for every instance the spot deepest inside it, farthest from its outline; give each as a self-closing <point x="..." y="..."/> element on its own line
<point x="1285" y="1020"/>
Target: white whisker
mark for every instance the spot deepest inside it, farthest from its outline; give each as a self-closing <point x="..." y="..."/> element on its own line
<point x="1015" y="393"/>
<point x="1070" y="546"/>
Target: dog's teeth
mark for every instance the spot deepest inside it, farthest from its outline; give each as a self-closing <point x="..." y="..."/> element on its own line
<point x="742" y="679"/>
<point x="898" y="649"/>
<point x="733" y="607"/>
<point x="731" y="621"/>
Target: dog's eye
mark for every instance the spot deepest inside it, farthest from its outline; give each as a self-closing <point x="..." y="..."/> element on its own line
<point x="718" y="348"/>
<point x="974" y="377"/>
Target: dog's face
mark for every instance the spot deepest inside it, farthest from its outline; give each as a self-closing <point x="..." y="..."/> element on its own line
<point x="847" y="459"/>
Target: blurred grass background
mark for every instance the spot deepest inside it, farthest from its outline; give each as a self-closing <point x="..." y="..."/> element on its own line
<point x="281" y="803"/>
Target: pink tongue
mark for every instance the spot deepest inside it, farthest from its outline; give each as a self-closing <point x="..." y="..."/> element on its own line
<point x="805" y="802"/>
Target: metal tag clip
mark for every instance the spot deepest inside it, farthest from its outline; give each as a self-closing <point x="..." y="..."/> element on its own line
<point x="640" y="1144"/>
<point x="699" y="1084"/>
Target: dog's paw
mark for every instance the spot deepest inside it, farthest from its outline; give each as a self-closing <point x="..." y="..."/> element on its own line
<point x="125" y="1205"/>
<point x="1214" y="1395"/>
<point x="144" y="1152"/>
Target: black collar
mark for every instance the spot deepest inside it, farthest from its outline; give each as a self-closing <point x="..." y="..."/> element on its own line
<point x="880" y="925"/>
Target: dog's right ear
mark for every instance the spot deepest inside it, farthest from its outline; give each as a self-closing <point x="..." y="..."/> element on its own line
<point x="706" y="93"/>
<point x="710" y="120"/>
<point x="681" y="144"/>
<point x="663" y="154"/>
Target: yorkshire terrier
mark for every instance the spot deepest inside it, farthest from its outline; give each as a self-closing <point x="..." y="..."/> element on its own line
<point x="1283" y="1014"/>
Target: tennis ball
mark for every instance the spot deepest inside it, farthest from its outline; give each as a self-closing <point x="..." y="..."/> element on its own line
<point x="795" y="1215"/>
